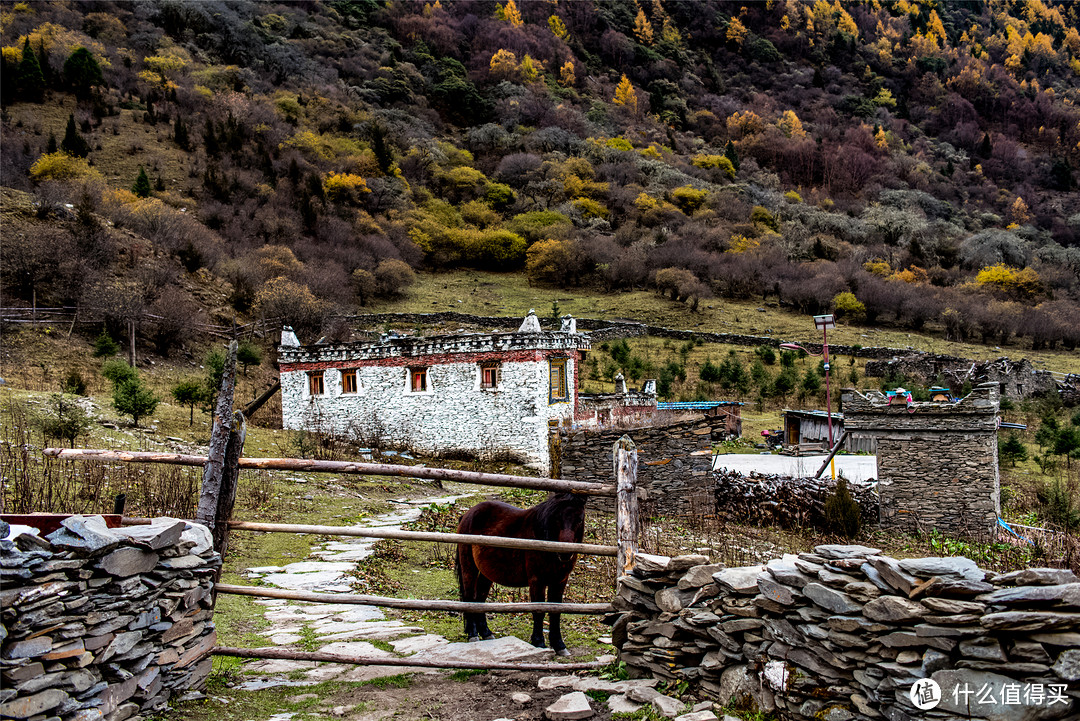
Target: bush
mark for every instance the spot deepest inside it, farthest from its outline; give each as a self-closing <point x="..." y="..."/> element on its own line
<point x="393" y="278"/>
<point x="64" y="418"/>
<point x="291" y="304"/>
<point x="688" y="200"/>
<point x="846" y="305"/>
<point x="1012" y="449"/>
<point x="74" y="384"/>
<point x="117" y="371"/>
<point x="842" y="512"/>
<point x="766" y="354"/>
<point x="61" y="166"/>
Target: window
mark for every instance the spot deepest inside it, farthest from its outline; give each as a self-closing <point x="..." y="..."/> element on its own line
<point x="558" y="380"/>
<point x="418" y="380"/>
<point x="315" y="383"/>
<point x="348" y="381"/>
<point x="490" y="375"/>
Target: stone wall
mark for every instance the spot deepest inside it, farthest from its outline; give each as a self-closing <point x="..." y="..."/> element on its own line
<point x="937" y="462"/>
<point x="104" y="624"/>
<point x="844" y="633"/>
<point x="1016" y="379"/>
<point x="674" y="463"/>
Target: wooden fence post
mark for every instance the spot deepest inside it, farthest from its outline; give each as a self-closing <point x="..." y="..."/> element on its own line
<point x="626" y="503"/>
<point x="213" y="471"/>
<point x="230" y="479"/>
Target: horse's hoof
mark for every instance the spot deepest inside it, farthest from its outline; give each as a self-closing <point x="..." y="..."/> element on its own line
<point x="473" y="639"/>
<point x="489" y="637"/>
<point x="562" y="652"/>
<point x="538" y="644"/>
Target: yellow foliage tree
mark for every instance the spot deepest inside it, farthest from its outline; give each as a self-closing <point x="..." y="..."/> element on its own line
<point x="530" y="69"/>
<point x="61" y="166"/>
<point x="511" y="14"/>
<point x="344" y="187"/>
<point x="625" y="95"/>
<point x="558" y="27"/>
<point x="791" y="125"/>
<point x="745" y="122"/>
<point x="1019" y="211"/>
<point x="503" y="65"/>
<point x="736" y="32"/>
<point x="566" y="74"/>
<point x="1023" y="284"/>
<point x="914" y="274"/>
<point x="643" y="28"/>
<point x="878" y="267"/>
<point x="742" y="244"/>
<point x="688" y="199"/>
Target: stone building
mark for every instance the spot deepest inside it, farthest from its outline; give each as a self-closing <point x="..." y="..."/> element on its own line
<point x="937" y="462"/>
<point x="488" y="395"/>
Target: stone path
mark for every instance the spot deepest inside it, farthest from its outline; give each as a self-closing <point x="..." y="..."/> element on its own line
<point x="350" y="629"/>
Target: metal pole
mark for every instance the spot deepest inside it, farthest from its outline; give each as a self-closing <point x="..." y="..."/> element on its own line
<point x="828" y="398"/>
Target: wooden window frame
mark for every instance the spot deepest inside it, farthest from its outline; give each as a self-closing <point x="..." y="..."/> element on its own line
<point x="348" y="377"/>
<point x="492" y="369"/>
<point x="422" y="373"/>
<point x="562" y="393"/>
<point x="315" y="381"/>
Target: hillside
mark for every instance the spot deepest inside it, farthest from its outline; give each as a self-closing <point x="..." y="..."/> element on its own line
<point x="907" y="165"/>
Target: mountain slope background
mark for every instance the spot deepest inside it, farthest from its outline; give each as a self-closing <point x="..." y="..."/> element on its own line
<point x="904" y="164"/>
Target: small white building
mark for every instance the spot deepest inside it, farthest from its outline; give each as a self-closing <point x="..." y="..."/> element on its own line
<point x="488" y="395"/>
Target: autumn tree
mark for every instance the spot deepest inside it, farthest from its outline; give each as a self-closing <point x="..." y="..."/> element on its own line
<point x="643" y="30"/>
<point x="566" y="74"/>
<point x="626" y="96"/>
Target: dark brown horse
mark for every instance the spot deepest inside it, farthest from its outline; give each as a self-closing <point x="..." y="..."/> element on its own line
<point x="561" y="518"/>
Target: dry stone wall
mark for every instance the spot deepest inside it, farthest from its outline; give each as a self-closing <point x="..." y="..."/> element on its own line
<point x="102" y="624"/>
<point x="937" y="462"/>
<point x="674" y="463"/>
<point x="845" y="633"/>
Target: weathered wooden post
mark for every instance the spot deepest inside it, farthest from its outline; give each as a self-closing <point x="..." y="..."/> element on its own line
<point x="230" y="479"/>
<point x="625" y="463"/>
<point x="214" y="470"/>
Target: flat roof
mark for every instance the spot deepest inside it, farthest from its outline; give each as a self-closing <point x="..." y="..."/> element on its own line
<point x="695" y="405"/>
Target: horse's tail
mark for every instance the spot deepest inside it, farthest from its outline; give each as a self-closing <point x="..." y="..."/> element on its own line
<point x="457" y="573"/>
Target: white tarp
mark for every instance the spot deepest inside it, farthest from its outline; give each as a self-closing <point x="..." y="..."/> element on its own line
<point x="854" y="468"/>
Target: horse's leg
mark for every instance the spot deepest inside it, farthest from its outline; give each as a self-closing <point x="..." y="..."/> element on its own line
<point x="483" y="587"/>
<point x="536" y="595"/>
<point x="468" y="574"/>
<point x="555" y="595"/>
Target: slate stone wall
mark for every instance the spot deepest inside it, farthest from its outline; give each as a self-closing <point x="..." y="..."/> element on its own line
<point x="103" y="624"/>
<point x="937" y="462"/>
<point x="844" y="634"/>
<point x="674" y="463"/>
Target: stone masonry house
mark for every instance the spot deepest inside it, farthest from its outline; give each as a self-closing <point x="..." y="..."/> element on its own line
<point x="493" y="395"/>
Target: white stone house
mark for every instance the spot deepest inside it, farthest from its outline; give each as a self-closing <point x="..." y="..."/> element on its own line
<point x="476" y="394"/>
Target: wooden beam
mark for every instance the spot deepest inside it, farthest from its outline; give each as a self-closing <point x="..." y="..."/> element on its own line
<point x="839" y="443"/>
<point x="343" y="467"/>
<point x="417" y="604"/>
<point x="625" y="461"/>
<point x="290" y="655"/>
<point x="214" y="462"/>
<point x="258" y="403"/>
<point x="528" y="544"/>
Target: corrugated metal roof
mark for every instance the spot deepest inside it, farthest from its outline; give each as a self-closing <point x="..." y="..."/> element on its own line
<point x="817" y="414"/>
<point x="695" y="405"/>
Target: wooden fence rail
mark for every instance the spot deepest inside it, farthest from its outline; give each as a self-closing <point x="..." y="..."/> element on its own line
<point x="290" y="655"/>
<point x="416" y="604"/>
<point x="473" y="539"/>
<point x="344" y="467"/>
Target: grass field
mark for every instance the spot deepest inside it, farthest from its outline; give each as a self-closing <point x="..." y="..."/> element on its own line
<point x="509" y="294"/>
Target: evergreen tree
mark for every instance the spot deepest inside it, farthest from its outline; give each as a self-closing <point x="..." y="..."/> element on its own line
<point x="50" y="147"/>
<point x="731" y="154"/>
<point x="213" y="147"/>
<point x="142" y="184"/>
<point x="189" y="393"/>
<point x="82" y="72"/>
<point x="30" y="79"/>
<point x="1012" y="449"/>
<point x="73" y="143"/>
<point x="180" y="134"/>
<point x="65" y="418"/>
<point x="104" y="346"/>
<point x="842" y="511"/>
<point x="248" y="355"/>
<point x="131" y="397"/>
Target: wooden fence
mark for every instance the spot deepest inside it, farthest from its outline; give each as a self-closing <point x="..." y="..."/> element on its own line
<point x="221" y="468"/>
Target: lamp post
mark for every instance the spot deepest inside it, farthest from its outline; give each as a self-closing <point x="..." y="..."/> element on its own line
<point x="823" y="323"/>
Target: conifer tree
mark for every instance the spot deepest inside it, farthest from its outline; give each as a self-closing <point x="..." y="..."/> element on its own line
<point x="180" y="134"/>
<point x="31" y="80"/>
<point x="82" y="72"/>
<point x="625" y="94"/>
<point x="73" y="143"/>
<point x="142" y="184"/>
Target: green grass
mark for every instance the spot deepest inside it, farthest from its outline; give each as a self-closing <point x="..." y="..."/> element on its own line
<point x="466" y="673"/>
<point x="401" y="680"/>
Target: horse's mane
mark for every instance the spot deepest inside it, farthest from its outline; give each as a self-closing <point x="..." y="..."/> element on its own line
<point x="547" y="515"/>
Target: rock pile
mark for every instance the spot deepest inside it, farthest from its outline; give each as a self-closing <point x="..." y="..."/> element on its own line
<point x="104" y="623"/>
<point x="846" y="633"/>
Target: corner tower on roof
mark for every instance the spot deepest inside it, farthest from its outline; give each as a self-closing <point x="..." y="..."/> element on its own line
<point x="489" y="395"/>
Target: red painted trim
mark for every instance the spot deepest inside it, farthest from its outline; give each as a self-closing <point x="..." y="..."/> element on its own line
<point x="436" y="359"/>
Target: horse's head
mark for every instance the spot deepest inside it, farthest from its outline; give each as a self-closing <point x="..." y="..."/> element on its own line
<point x="562" y="518"/>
